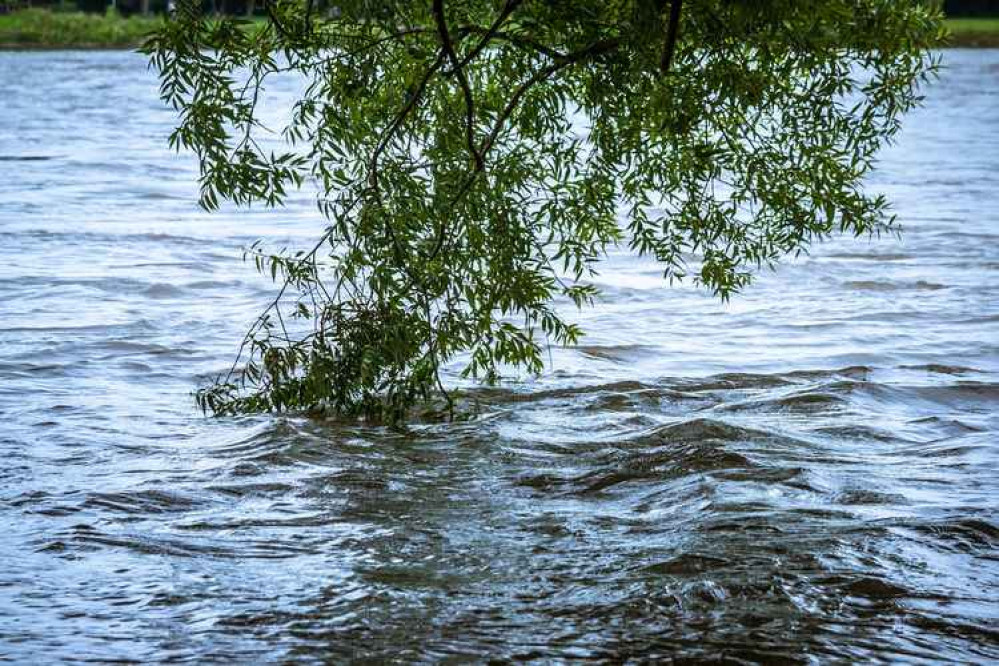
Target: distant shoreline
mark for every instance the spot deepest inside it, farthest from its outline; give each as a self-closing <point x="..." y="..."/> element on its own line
<point x="973" y="32"/>
<point x="43" y="30"/>
<point x="39" y="29"/>
<point x="81" y="46"/>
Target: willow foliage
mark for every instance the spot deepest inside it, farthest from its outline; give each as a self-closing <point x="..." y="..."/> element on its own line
<point x="474" y="159"/>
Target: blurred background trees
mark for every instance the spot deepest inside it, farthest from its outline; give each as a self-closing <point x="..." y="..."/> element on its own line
<point x="252" y="7"/>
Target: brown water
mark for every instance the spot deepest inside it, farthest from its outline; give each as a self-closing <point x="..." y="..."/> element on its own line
<point x="808" y="474"/>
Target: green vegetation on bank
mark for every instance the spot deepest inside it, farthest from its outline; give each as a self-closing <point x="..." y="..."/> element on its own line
<point x="40" y="28"/>
<point x="973" y="32"/>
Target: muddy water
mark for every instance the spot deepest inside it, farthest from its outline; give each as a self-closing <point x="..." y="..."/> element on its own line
<point x="806" y="474"/>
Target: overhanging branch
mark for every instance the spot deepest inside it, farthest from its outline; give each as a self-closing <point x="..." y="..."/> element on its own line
<point x="459" y="71"/>
<point x="675" y="7"/>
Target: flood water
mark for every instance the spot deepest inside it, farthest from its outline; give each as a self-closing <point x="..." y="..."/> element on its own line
<point x="809" y="473"/>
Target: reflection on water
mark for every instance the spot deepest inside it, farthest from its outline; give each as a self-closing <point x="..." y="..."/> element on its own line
<point x="807" y="473"/>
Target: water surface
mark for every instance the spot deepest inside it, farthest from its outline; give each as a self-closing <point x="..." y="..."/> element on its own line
<point x="806" y="474"/>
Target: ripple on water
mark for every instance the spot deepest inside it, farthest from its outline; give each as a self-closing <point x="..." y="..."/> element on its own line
<point x="807" y="474"/>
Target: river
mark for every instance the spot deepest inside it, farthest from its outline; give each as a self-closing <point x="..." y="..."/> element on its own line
<point x="809" y="473"/>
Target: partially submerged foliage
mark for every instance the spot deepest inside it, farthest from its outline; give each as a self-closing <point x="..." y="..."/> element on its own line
<point x="475" y="159"/>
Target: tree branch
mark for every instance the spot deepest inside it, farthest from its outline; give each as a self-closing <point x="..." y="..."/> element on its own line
<point x="516" y="40"/>
<point x="466" y="90"/>
<point x="490" y="32"/>
<point x="269" y="8"/>
<point x="396" y="123"/>
<point x="675" y="6"/>
<point x="539" y="76"/>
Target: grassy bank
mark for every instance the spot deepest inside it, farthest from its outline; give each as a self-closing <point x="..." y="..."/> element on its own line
<point x="39" y="28"/>
<point x="974" y="32"/>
